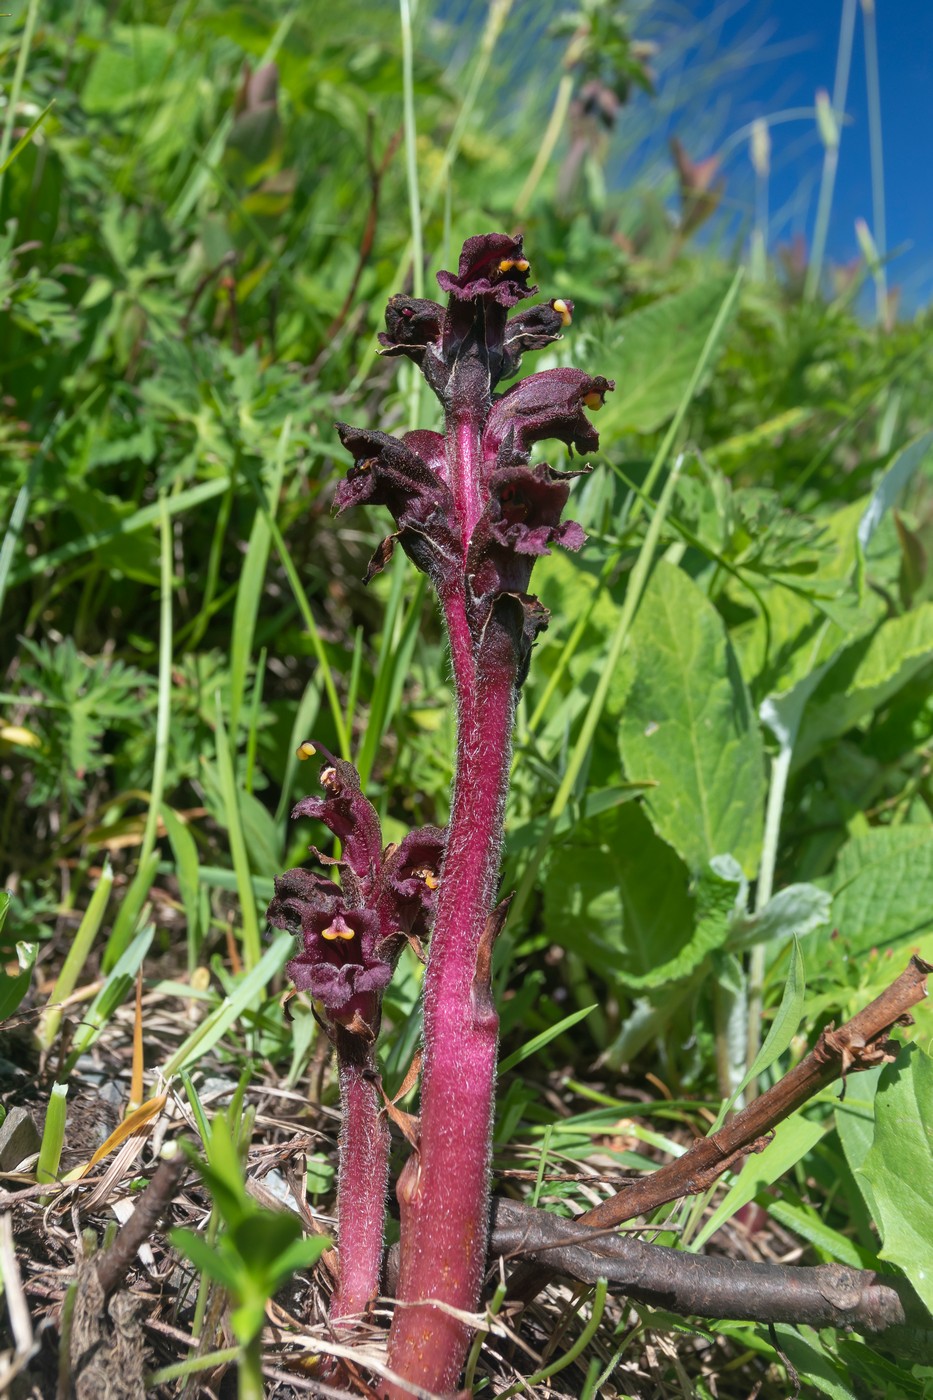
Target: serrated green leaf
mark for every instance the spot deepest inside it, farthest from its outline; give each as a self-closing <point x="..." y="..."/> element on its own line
<point x="900" y="1166"/>
<point x="883" y="885"/>
<point x="689" y="727"/>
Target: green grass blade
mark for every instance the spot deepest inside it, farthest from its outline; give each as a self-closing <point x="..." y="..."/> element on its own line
<point x="216" y="1025"/>
<point x="81" y="946"/>
<point x="252" y="944"/>
<point x="185" y="852"/>
<point x="538" y="1042"/>
<point x="130" y="911"/>
<point x="16" y="87"/>
<point x="26" y="137"/>
<point x="252" y="578"/>
<point x="139" y="520"/>
<point x="164" y="703"/>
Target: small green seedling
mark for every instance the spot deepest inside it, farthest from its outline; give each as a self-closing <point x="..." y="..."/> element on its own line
<point x="256" y="1250"/>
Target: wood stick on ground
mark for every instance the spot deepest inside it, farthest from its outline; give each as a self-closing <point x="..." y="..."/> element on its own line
<point x="857" y="1044"/>
<point x="710" y="1286"/>
<point x="113" y="1263"/>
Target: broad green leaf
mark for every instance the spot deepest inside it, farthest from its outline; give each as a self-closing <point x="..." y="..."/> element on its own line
<point x="900" y="1166"/>
<point x="129" y="68"/>
<point x="883" y="885"/>
<point x="792" y="1140"/>
<point x="620" y="898"/>
<point x="794" y="911"/>
<point x="653" y="354"/>
<point x="689" y="727"/>
<point x="855" y="1124"/>
<point x="865" y="677"/>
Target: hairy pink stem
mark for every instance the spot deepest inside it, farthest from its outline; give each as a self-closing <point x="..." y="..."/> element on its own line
<point x="444" y="1191"/>
<point x="362" y="1180"/>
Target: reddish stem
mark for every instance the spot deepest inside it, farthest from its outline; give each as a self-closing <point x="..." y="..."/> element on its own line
<point x="444" y="1191"/>
<point x="362" y="1179"/>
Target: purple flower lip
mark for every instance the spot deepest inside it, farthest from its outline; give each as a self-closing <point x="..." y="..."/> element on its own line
<point x="491" y="265"/>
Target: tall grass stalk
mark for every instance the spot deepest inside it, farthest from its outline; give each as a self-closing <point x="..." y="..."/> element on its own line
<point x="831" y="151"/>
<point x="16" y="88"/>
<point x="164" y="704"/>
<point x="78" y="953"/>
<point x="876" y="147"/>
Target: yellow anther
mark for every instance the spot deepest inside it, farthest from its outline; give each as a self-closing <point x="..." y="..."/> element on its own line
<point x="305" y="750"/>
<point x="522" y="265"/>
<point x="367" y="464"/>
<point x="506" y="264"/>
<point x="594" y="400"/>
<point x="563" y="311"/>
<point x="338" y="929"/>
<point x="428" y="876"/>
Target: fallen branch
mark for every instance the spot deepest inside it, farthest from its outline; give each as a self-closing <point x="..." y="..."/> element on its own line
<point x="710" y="1286"/>
<point x="857" y="1045"/>
<point x="113" y="1263"/>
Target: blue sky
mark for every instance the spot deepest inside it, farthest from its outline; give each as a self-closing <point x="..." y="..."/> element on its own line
<point x="783" y="51"/>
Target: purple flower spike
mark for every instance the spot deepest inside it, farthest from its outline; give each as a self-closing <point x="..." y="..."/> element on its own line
<point x="474" y="515"/>
<point x="351" y="934"/>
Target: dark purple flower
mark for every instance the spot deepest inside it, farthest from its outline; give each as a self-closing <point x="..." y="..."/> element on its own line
<point x="351" y="817"/>
<point x="410" y="879"/>
<point x="340" y="962"/>
<point x="534" y="329"/>
<point x="546" y="405"/>
<point x="390" y="472"/>
<point x="414" y="327"/>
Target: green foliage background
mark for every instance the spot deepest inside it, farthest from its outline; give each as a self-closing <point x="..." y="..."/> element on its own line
<point x="193" y="266"/>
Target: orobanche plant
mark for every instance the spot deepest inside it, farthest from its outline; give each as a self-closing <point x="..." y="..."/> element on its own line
<point x="473" y="514"/>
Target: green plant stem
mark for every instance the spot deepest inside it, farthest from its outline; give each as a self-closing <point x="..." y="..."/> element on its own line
<point x="831" y="153"/>
<point x="876" y="147"/>
<point x="164" y="705"/>
<point x="548" y="142"/>
<point x="411" y="148"/>
<point x="252" y="941"/>
<point x="77" y="956"/>
<point x="250" y="1370"/>
<point x="16" y="89"/>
